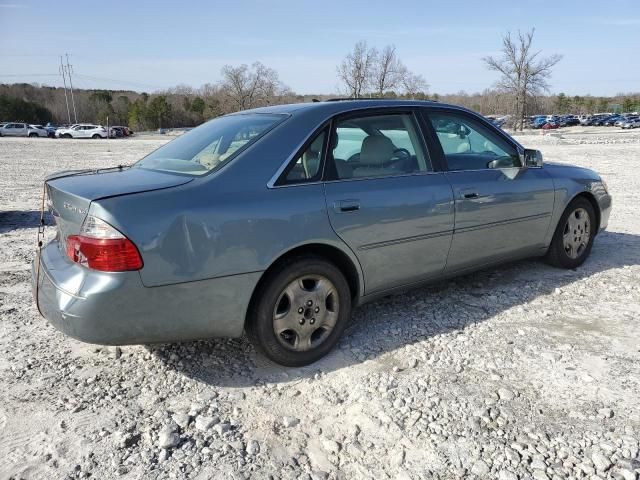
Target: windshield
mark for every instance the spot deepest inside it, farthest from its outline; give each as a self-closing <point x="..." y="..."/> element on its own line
<point x="211" y="145"/>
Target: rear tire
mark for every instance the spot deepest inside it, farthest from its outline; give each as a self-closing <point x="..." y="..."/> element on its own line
<point x="31" y="135"/>
<point x="573" y="238"/>
<point x="300" y="311"/>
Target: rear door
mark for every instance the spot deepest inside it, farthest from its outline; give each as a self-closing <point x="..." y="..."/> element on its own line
<point x="502" y="209"/>
<point x="385" y="200"/>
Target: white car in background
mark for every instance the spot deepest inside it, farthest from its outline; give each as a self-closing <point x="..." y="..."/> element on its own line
<point x="82" y="130"/>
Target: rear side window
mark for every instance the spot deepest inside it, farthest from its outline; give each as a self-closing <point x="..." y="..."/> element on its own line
<point x="307" y="166"/>
<point x="211" y="145"/>
<point x="467" y="144"/>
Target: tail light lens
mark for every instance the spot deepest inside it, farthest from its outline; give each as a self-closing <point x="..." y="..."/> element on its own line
<point x="99" y="246"/>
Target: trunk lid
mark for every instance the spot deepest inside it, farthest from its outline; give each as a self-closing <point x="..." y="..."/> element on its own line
<point x="70" y="193"/>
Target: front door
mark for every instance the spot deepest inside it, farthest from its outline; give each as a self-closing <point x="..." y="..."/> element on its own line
<point x="502" y="209"/>
<point x="386" y="202"/>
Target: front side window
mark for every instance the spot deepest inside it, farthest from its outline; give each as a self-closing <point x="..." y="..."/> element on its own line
<point x="469" y="145"/>
<point x="378" y="145"/>
<point x="209" y="146"/>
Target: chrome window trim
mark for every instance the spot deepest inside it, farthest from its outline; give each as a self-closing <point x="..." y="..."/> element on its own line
<point x="355" y="179"/>
<point x="380" y="177"/>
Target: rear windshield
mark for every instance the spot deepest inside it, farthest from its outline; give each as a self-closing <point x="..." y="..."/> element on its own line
<point x="211" y="145"/>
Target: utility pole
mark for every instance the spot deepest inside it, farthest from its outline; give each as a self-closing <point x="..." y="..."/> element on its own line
<point x="64" y="81"/>
<point x="69" y="70"/>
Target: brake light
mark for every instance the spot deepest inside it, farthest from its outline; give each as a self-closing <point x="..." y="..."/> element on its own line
<point x="99" y="246"/>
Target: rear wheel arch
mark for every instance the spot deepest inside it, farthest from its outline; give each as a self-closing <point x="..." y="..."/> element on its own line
<point x="326" y="252"/>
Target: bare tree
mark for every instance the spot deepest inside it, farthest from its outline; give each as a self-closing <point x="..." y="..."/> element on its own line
<point x="388" y="72"/>
<point x="413" y="84"/>
<point x="523" y="73"/>
<point x="356" y="69"/>
<point x="247" y="87"/>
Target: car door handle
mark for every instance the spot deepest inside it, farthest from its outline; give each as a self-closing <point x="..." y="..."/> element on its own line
<point x="469" y="194"/>
<point x="347" y="205"/>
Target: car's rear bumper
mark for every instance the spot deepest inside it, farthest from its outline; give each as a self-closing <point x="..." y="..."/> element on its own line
<point x="117" y="309"/>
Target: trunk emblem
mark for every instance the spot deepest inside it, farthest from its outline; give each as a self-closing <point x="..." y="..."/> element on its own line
<point x="74" y="209"/>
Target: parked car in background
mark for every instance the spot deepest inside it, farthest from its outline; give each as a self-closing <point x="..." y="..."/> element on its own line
<point x="623" y="119"/>
<point x="597" y="121"/>
<point x="51" y="129"/>
<point x="611" y="121"/>
<point x="116" y="132"/>
<point x="18" y="129"/>
<point x="14" y="130"/>
<point x="568" y="121"/>
<point x="279" y="220"/>
<point x="37" y="131"/>
<point x="124" y="131"/>
<point x="83" y="130"/>
<point x="539" y="122"/>
<point x="631" y="123"/>
<point x="550" y="126"/>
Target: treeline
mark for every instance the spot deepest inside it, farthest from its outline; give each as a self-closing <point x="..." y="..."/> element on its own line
<point x="248" y="87"/>
<point x="496" y="102"/>
<point x="241" y="87"/>
<point x="15" y="108"/>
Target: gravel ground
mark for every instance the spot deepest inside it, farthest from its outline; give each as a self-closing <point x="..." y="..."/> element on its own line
<point x="519" y="372"/>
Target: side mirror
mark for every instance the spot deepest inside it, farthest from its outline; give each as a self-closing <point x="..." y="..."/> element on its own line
<point x="532" y="158"/>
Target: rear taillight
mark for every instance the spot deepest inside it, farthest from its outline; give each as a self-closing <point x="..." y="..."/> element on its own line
<point x="101" y="247"/>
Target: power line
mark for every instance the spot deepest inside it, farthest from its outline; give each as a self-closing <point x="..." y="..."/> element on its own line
<point x="73" y="102"/>
<point x="122" y="82"/>
<point x="64" y="81"/>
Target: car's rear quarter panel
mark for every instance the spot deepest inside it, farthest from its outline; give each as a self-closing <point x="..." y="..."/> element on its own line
<point x="229" y="222"/>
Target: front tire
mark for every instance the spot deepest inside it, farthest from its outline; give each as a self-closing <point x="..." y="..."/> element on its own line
<point x="32" y="135"/>
<point x="299" y="312"/>
<point x="573" y="238"/>
<point x="96" y="136"/>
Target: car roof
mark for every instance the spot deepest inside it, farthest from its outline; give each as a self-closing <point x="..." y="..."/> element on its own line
<point x="340" y="105"/>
